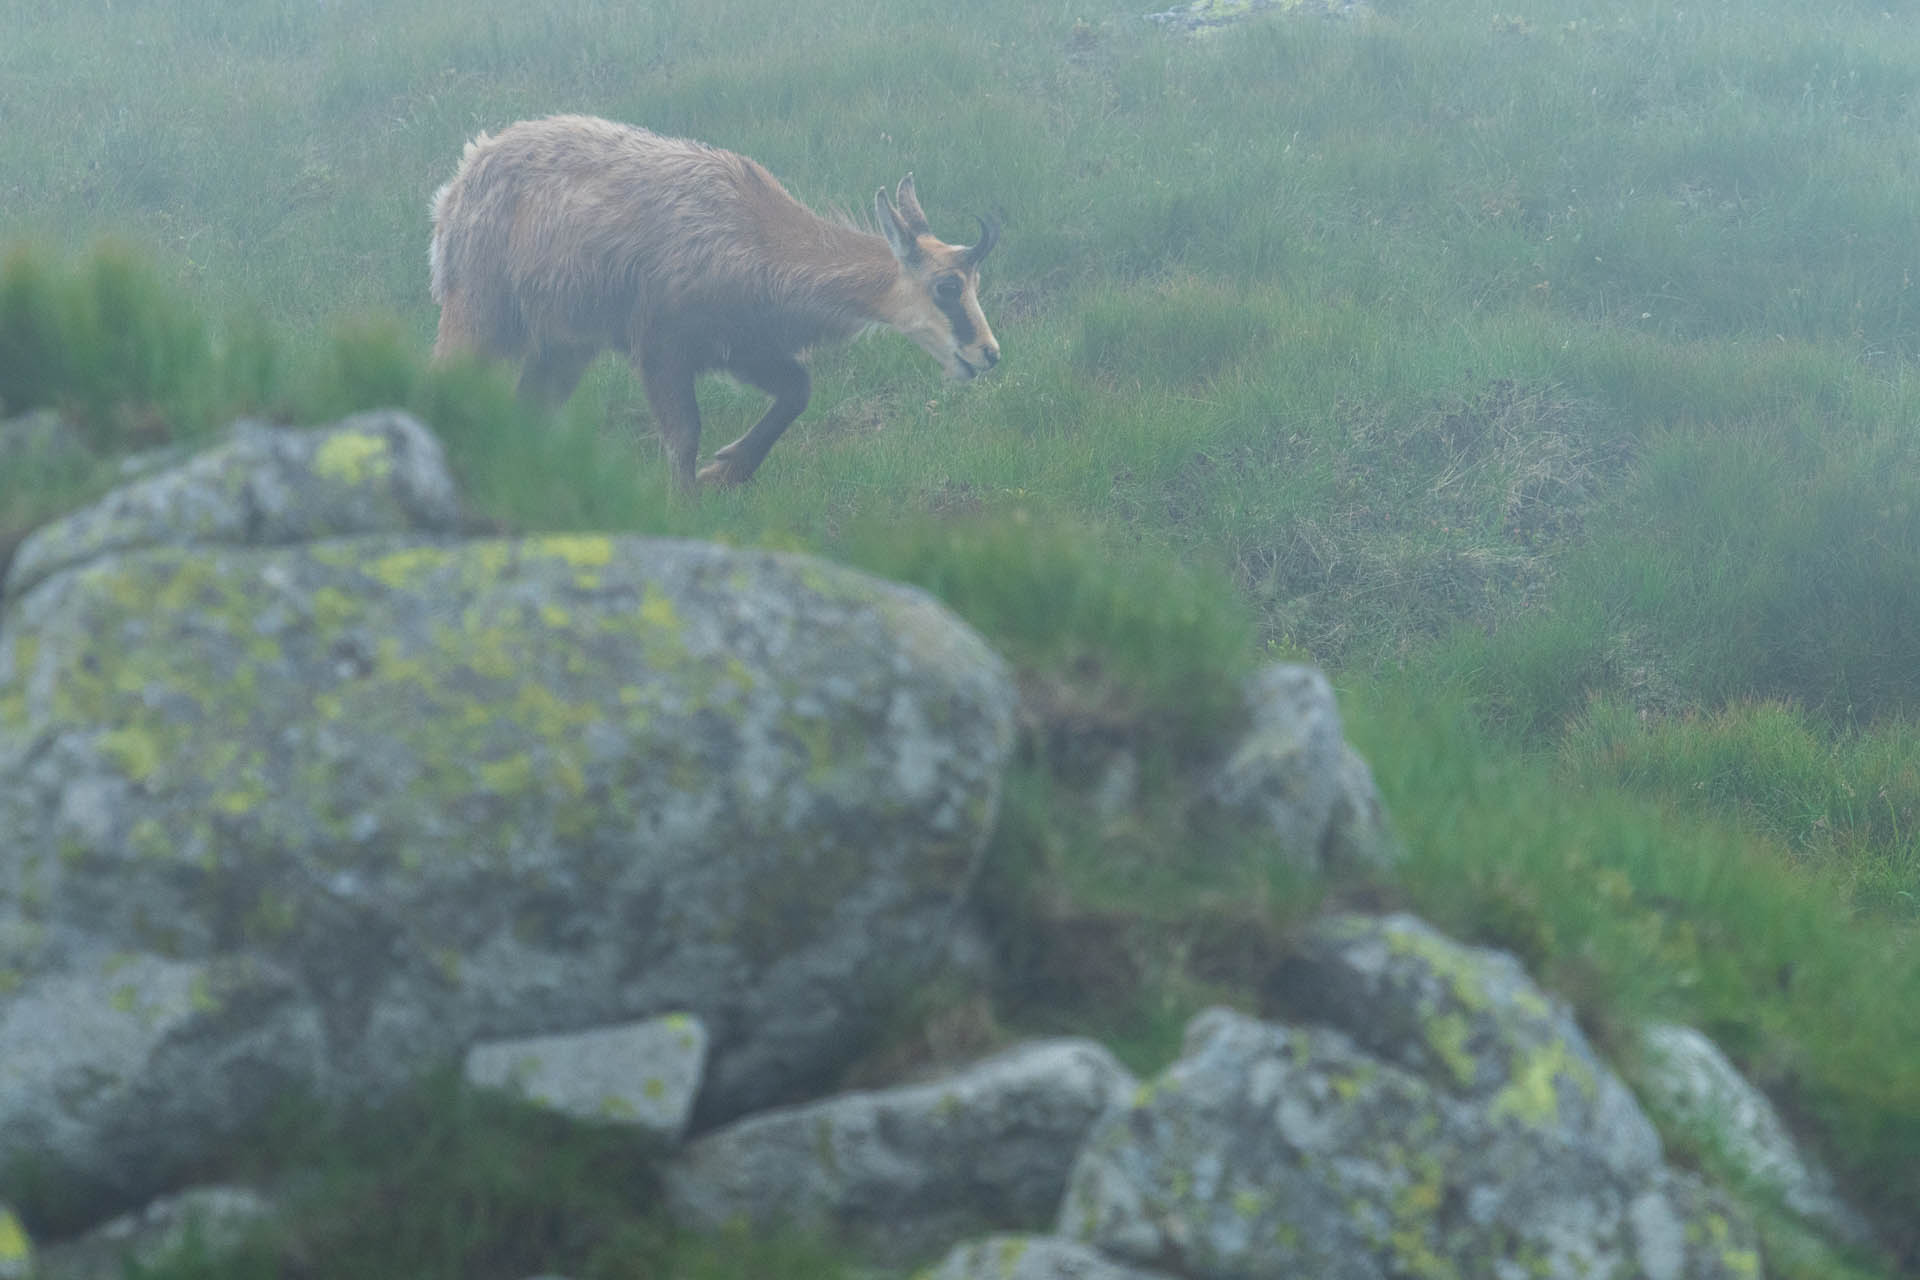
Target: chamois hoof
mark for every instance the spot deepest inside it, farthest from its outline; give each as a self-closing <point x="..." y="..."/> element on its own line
<point x="724" y="472"/>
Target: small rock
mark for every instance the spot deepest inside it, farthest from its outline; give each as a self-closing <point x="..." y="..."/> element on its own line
<point x="1689" y="1079"/>
<point x="1295" y="776"/>
<point x="645" y="1074"/>
<point x="1008" y="1257"/>
<point x="903" y="1173"/>
<point x="218" y="1217"/>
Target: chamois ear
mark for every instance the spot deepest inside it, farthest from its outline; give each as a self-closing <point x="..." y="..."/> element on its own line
<point x="910" y="208"/>
<point x="989" y="237"/>
<point x="899" y="235"/>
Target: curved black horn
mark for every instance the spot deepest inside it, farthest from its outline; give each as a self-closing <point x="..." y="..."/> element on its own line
<point x="989" y="236"/>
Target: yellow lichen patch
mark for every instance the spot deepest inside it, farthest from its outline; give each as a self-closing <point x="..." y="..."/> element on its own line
<point x="554" y="616"/>
<point x="1456" y="967"/>
<point x="353" y="457"/>
<point x="512" y="776"/>
<point x="446" y="963"/>
<point x="1415" y="1257"/>
<point x="1447" y="1037"/>
<point x="398" y="568"/>
<point x="655" y="1088"/>
<point x="271" y="918"/>
<point x="13" y="684"/>
<point x="16" y="1251"/>
<point x="658" y="611"/>
<point x="200" y="995"/>
<point x="1532" y="1095"/>
<point x="615" y="1107"/>
<point x="543" y="712"/>
<point x="581" y="551"/>
<point x="196" y="582"/>
<point x="133" y="751"/>
<point x="1347" y="1085"/>
<point x="236" y="803"/>
<point x="487" y="650"/>
<point x="333" y="608"/>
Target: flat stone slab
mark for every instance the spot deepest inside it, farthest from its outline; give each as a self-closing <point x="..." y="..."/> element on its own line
<point x="1012" y="1257"/>
<point x="645" y="1075"/>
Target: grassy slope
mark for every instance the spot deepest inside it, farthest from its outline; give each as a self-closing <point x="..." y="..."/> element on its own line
<point x="1544" y="371"/>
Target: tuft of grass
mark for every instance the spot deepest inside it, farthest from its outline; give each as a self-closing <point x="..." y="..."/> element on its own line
<point x="123" y="355"/>
<point x="1145" y="639"/>
<point x="1849" y="806"/>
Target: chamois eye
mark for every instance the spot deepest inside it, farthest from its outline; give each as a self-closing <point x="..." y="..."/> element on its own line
<point x="948" y="289"/>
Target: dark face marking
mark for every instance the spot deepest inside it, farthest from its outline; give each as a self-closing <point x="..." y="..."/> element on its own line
<point x="950" y="295"/>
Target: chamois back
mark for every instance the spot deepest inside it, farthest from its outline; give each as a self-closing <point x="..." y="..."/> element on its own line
<point x="560" y="238"/>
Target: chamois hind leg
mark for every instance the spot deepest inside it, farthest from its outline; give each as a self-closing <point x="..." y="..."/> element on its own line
<point x="667" y="377"/>
<point x="785" y="379"/>
<point x="552" y="372"/>
<point x="456" y="336"/>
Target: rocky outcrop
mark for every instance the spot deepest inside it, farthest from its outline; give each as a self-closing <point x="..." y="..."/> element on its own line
<point x="1469" y="1021"/>
<point x="1457" y="1124"/>
<point x="304" y="794"/>
<point x="317" y="815"/>
<point x="1689" y="1081"/>
<point x="902" y="1173"/>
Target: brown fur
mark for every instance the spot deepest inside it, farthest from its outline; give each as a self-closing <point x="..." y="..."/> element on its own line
<point x="564" y="237"/>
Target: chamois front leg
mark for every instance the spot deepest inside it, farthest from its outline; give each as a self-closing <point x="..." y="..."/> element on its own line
<point x="667" y="377"/>
<point x="785" y="379"/>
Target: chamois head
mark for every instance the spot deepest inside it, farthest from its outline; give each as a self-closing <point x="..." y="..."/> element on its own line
<point x="936" y="301"/>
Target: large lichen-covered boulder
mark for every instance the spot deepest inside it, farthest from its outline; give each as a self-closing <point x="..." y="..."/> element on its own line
<point x="1498" y="1145"/>
<point x="319" y="816"/>
<point x="902" y="1173"/>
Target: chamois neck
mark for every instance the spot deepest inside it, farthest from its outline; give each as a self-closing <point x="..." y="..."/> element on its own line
<point x="840" y="273"/>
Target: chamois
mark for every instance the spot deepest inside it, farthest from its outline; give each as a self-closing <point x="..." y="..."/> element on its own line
<point x="561" y="238"/>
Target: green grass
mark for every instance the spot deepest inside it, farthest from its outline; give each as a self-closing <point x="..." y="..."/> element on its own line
<point x="1546" y="370"/>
